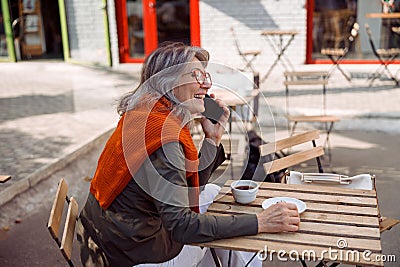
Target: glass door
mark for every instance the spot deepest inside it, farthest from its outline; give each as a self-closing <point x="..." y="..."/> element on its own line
<point x="144" y="24"/>
<point x="134" y="9"/>
<point x="173" y="21"/>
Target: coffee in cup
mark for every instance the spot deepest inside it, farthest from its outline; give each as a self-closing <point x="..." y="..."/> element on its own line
<point x="244" y="191"/>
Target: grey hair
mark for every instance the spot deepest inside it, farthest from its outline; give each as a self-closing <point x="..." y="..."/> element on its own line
<point x="163" y="67"/>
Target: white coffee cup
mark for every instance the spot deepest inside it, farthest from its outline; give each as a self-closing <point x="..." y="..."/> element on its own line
<point x="244" y="191"/>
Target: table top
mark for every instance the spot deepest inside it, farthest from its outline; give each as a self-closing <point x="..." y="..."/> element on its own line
<point x="279" y="32"/>
<point x="395" y="15"/>
<point x="344" y="221"/>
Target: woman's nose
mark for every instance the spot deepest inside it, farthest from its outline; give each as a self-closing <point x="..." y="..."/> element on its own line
<point x="206" y="85"/>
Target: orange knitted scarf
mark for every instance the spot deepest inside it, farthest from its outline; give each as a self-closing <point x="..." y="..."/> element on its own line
<point x="140" y="133"/>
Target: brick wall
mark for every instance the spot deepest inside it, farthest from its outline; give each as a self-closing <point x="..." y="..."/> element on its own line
<point x="249" y="18"/>
<point x="86" y="31"/>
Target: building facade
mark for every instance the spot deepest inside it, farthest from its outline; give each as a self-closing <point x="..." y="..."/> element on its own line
<point x="111" y="32"/>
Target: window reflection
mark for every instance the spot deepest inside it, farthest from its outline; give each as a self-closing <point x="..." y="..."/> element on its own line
<point x="173" y="21"/>
<point x="334" y="19"/>
<point x="134" y="9"/>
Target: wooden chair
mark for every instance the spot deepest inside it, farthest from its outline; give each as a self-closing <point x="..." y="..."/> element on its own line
<point x="385" y="57"/>
<point x="248" y="56"/>
<point x="55" y="219"/>
<point x="309" y="78"/>
<point x="337" y="54"/>
<point x="292" y="159"/>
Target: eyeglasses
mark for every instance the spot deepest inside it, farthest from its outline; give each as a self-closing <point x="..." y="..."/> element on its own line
<point x="202" y="77"/>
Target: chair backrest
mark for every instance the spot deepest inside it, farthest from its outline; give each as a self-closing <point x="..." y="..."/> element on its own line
<point x="371" y="40"/>
<point x="55" y="218"/>
<point x="293" y="159"/>
<point x="352" y="36"/>
<point x="354" y="32"/>
<point x="305" y="78"/>
<point x="236" y="41"/>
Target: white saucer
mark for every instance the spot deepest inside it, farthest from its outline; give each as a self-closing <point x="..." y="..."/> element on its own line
<point x="301" y="206"/>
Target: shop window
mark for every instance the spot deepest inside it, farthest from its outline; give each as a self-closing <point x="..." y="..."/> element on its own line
<point x="173" y="21"/>
<point x="134" y="9"/>
<point x="334" y="19"/>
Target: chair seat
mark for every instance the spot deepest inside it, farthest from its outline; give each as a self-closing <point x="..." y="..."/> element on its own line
<point x="251" y="52"/>
<point x="338" y="52"/>
<point x="4" y="178"/>
<point x="315" y="118"/>
<point x="387" y="223"/>
<point x="305" y="73"/>
<point x="306" y="82"/>
<point x="388" y="52"/>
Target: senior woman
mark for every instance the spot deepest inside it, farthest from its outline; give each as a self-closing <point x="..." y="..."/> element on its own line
<point x="150" y="187"/>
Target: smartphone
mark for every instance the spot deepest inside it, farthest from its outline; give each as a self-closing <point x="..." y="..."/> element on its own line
<point x="212" y="111"/>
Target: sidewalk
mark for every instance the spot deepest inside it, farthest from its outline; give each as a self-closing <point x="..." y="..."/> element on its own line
<point x="29" y="243"/>
<point x="52" y="113"/>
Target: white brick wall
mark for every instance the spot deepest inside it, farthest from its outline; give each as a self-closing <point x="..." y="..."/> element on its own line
<point x="249" y="18"/>
<point x="86" y="31"/>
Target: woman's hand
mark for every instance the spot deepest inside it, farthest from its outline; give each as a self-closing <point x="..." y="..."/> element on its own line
<point x="212" y="131"/>
<point x="281" y="217"/>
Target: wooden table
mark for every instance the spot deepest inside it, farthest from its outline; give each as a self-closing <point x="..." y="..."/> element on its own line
<point x="395" y="15"/>
<point x="275" y="38"/>
<point x="343" y="221"/>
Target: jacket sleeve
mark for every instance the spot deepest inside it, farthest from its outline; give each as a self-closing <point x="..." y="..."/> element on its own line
<point x="211" y="157"/>
<point x="170" y="193"/>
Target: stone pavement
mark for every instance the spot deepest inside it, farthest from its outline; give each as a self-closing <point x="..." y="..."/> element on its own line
<point x="49" y="114"/>
<point x="52" y="113"/>
<point x="28" y="243"/>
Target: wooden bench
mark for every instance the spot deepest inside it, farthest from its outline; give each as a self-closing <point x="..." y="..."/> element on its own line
<point x="312" y="78"/>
